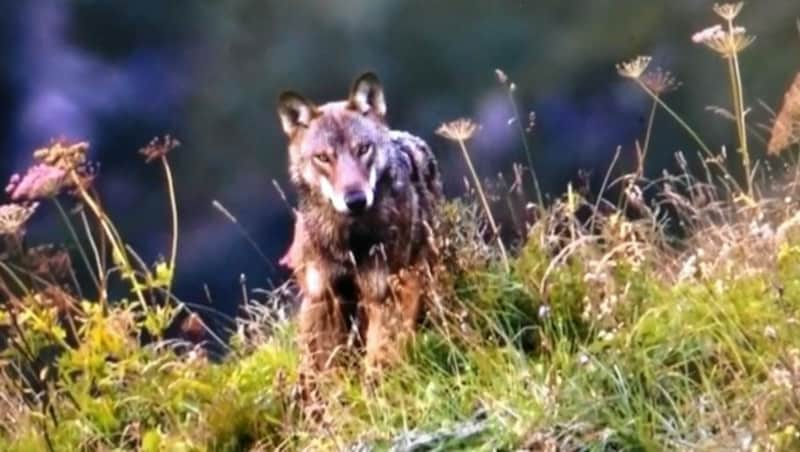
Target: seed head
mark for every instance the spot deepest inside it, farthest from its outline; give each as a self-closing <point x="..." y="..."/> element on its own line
<point x="55" y="165"/>
<point x="459" y="130"/>
<point x="40" y="181"/>
<point x="728" y="11"/>
<point x="159" y="147"/>
<point x="14" y="216"/>
<point x="635" y="67"/>
<point x="62" y="155"/>
<point x="660" y="81"/>
<point x="725" y="42"/>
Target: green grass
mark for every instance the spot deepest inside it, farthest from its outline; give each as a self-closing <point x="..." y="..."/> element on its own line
<point x="589" y="349"/>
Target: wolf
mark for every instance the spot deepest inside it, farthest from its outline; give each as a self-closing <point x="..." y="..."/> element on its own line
<point x="364" y="242"/>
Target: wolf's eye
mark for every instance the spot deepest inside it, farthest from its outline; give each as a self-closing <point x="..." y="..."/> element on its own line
<point x="322" y="158"/>
<point x="364" y="149"/>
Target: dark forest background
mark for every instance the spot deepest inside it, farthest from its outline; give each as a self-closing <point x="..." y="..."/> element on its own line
<point x="117" y="73"/>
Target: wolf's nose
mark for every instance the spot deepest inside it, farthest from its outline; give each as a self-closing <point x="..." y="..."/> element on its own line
<point x="356" y="201"/>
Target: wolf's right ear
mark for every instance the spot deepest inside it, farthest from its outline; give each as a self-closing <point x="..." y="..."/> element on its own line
<point x="295" y="111"/>
<point x="366" y="95"/>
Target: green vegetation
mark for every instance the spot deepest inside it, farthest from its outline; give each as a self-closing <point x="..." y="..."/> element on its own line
<point x="662" y="315"/>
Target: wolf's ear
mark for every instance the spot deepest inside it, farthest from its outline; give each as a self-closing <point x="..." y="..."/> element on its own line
<point x="366" y="96"/>
<point x="295" y="111"/>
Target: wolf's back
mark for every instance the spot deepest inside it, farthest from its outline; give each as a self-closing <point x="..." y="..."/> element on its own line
<point x="424" y="169"/>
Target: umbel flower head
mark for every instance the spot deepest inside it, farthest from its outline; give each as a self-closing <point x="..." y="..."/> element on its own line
<point x="159" y="147"/>
<point x="728" y="11"/>
<point x="660" y="81"/>
<point x="40" y="181"/>
<point x="59" y="166"/>
<point x="63" y="155"/>
<point x="13" y="218"/>
<point x="725" y="42"/>
<point x="635" y="67"/>
<point x="458" y="130"/>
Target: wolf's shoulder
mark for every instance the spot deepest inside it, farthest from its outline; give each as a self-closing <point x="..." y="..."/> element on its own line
<point x="416" y="153"/>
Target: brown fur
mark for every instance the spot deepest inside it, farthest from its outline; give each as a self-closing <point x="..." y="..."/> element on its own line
<point x="365" y="274"/>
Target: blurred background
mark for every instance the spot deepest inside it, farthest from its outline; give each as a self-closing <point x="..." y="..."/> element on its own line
<point x="117" y="73"/>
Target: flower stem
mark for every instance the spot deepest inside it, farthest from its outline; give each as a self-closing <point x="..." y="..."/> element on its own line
<point x="676" y="117"/>
<point x="174" y="212"/>
<point x="647" y="136"/>
<point x="485" y="204"/>
<point x="114" y="239"/>
<point x="738" y="100"/>
<point x="526" y="146"/>
<point x="81" y="251"/>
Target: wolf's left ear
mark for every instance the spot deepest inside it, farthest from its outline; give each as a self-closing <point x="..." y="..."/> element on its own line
<point x="366" y="96"/>
<point x="295" y="111"/>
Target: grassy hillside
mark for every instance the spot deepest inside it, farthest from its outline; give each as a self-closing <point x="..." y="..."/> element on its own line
<point x="660" y="315"/>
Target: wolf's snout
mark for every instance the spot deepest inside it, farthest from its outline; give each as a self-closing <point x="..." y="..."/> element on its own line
<point x="356" y="201"/>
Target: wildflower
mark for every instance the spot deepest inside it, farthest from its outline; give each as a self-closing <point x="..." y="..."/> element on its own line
<point x="158" y="148"/>
<point x="635" y="67"/>
<point x="725" y="42"/>
<point x="708" y="34"/>
<point x="14" y="216"/>
<point x="62" y="155"/>
<point x="660" y="81"/>
<point x="728" y="11"/>
<point x="40" y="181"/>
<point x="52" y="172"/>
<point x="458" y="130"/>
<point x="786" y="130"/>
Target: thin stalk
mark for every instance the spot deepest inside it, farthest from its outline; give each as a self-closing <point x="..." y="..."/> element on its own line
<point x="736" y="82"/>
<point x="676" y="117"/>
<point x="15" y="278"/>
<point x="116" y="242"/>
<point x="75" y="239"/>
<point x="246" y="235"/>
<point x="738" y="115"/>
<point x="485" y="203"/>
<point x="647" y="136"/>
<point x="98" y="256"/>
<point x="174" y="212"/>
<point x="526" y="146"/>
<point x="686" y="127"/>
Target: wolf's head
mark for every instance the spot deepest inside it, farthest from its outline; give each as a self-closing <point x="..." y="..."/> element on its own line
<point x="338" y="149"/>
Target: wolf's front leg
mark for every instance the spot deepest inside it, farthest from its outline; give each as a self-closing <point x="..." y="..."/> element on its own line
<point x="322" y="330"/>
<point x="391" y="319"/>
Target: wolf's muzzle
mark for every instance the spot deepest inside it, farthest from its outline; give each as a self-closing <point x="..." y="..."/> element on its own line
<point x="356" y="202"/>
